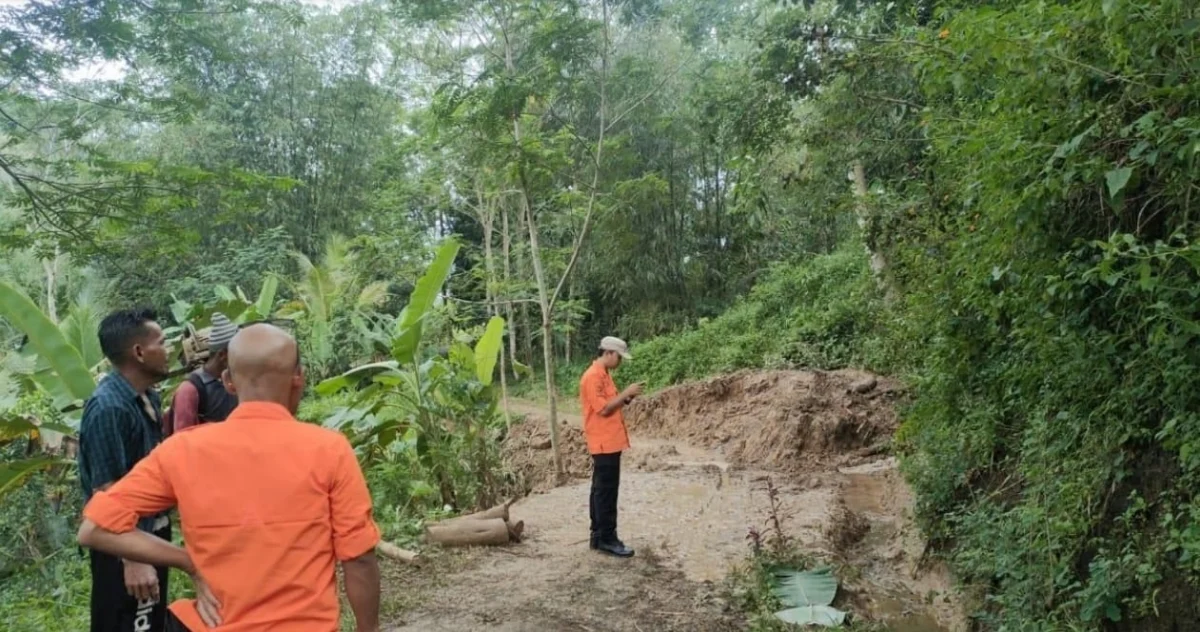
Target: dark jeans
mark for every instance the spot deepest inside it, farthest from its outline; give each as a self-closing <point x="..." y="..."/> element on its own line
<point x="113" y="608"/>
<point x="606" y="479"/>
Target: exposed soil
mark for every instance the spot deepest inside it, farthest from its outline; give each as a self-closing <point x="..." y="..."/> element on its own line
<point x="527" y="451"/>
<point x="693" y="484"/>
<point x="782" y="420"/>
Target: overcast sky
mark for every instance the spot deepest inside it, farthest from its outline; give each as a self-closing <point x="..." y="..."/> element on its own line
<point x="328" y="3"/>
<point x="110" y="71"/>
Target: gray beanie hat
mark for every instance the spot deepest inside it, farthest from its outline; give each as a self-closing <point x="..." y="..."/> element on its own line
<point x="221" y="333"/>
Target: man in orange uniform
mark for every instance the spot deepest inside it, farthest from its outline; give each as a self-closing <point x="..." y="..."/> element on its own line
<point x="604" y="428"/>
<point x="268" y="506"/>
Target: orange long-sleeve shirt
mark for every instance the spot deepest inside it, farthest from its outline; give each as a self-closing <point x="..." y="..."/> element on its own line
<point x="268" y="506"/>
<point x="605" y="435"/>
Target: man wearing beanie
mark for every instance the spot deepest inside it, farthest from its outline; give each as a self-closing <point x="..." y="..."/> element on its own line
<point x="202" y="398"/>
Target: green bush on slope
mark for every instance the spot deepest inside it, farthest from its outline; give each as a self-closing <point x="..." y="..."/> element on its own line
<point x="821" y="312"/>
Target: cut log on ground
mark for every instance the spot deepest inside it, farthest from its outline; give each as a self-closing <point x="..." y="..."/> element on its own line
<point x="516" y="530"/>
<point x="389" y="550"/>
<point x="499" y="511"/>
<point x="491" y="532"/>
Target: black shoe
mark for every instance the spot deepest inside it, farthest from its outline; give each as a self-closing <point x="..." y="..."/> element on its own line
<point x="594" y="542"/>
<point x="614" y="547"/>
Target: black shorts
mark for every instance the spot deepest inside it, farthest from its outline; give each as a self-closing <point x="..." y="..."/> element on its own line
<point x="113" y="608"/>
<point x="174" y="624"/>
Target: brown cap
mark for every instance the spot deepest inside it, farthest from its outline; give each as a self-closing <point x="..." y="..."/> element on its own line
<point x="617" y="345"/>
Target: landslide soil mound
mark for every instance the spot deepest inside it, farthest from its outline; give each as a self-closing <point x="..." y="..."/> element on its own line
<point x="527" y="451"/>
<point x="780" y="420"/>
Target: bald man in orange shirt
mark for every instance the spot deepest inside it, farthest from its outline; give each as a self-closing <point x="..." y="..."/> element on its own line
<point x="604" y="429"/>
<point x="269" y="506"/>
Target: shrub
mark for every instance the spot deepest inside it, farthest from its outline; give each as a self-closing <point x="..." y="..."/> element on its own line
<point x="823" y="312"/>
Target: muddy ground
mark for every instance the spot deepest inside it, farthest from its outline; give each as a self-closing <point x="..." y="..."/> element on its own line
<point x="693" y="485"/>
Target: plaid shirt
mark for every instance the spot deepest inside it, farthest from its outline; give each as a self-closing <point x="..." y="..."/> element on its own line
<point x="117" y="431"/>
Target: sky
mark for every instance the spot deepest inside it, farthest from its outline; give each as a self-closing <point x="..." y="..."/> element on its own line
<point x="324" y="3"/>
<point x="111" y="71"/>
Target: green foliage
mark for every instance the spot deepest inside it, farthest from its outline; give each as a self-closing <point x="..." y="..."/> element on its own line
<point x="822" y="313"/>
<point x="70" y="379"/>
<point x="487" y="350"/>
<point x="775" y="597"/>
<point x="44" y="579"/>
<point x="246" y="264"/>
<point x="807" y="596"/>
<point x="408" y="326"/>
<point x="426" y="428"/>
<point x="42" y="574"/>
<point x="79" y="329"/>
<point x="1051" y="267"/>
<point x="14" y="473"/>
<point x="334" y="303"/>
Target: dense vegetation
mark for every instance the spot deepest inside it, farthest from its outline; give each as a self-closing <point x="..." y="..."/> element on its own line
<point x="990" y="199"/>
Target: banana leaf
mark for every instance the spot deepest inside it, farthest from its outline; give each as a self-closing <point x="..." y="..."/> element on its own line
<point x="804" y="588"/>
<point x="808" y="595"/>
<point x="13" y="426"/>
<point x="353" y="377"/>
<point x="79" y="328"/>
<point x="266" y="296"/>
<point x="487" y="350"/>
<point x="12" y="473"/>
<point x="47" y="341"/>
<point x="826" y="616"/>
<point x="408" y="338"/>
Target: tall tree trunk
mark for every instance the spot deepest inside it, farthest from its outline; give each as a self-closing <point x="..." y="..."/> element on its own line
<point x="506" y="242"/>
<point x="544" y="302"/>
<point x="51" y="268"/>
<point x="526" y="335"/>
<point x="487" y="220"/>
<point x="878" y="263"/>
<point x="547" y="297"/>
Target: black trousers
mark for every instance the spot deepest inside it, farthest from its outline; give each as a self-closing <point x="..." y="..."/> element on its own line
<point x="113" y="608"/>
<point x="606" y="480"/>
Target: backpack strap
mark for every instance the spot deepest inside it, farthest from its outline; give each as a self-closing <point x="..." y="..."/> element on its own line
<point x="168" y="418"/>
<point x="201" y="390"/>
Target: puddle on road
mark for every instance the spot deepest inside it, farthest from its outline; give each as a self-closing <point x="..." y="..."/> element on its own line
<point x="898" y="616"/>
<point x="875" y="492"/>
<point x="865" y="493"/>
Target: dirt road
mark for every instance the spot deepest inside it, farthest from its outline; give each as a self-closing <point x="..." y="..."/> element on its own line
<point x="687" y="510"/>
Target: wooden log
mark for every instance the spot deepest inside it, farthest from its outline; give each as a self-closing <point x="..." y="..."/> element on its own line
<point x="389" y="550"/>
<point x="515" y="531"/>
<point x="490" y="532"/>
<point x="499" y="511"/>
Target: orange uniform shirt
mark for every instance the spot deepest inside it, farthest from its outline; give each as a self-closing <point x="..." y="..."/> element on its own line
<point x="605" y="435"/>
<point x="268" y="505"/>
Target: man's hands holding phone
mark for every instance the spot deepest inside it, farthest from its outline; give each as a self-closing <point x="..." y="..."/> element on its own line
<point x="631" y="391"/>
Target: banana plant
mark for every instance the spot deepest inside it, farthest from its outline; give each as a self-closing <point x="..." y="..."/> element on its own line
<point x="431" y="410"/>
<point x="69" y="379"/>
<point x="331" y="294"/>
<point x="65" y="377"/>
<point x="408" y="326"/>
<point x="233" y="303"/>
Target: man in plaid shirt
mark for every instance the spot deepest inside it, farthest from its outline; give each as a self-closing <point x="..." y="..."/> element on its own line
<point x="122" y="423"/>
